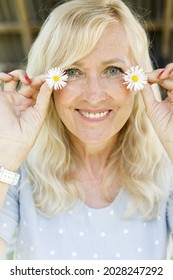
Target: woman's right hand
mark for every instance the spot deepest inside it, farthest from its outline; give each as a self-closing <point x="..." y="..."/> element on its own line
<point x="22" y="113"/>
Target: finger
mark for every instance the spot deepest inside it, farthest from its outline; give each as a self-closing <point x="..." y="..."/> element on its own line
<point x="18" y="75"/>
<point x="21" y="75"/>
<point x="157" y="76"/>
<point x="154" y="76"/>
<point x="171" y="73"/>
<point x="168" y="71"/>
<point x="149" y="97"/>
<point x="33" y="88"/>
<point x="160" y="74"/>
<point x="170" y="96"/>
<point x="167" y="84"/>
<point x="4" y="77"/>
<point x="164" y="77"/>
<point x="43" y="99"/>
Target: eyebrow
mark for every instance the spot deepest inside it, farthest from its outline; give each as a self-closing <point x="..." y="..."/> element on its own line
<point x="114" y="60"/>
<point x="109" y="61"/>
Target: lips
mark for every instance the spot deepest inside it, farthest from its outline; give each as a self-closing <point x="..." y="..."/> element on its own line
<point x="94" y="114"/>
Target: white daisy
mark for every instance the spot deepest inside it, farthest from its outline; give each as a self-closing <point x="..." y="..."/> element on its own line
<point x="135" y="78"/>
<point x="56" y="78"/>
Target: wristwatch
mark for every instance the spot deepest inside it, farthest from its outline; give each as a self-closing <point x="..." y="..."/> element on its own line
<point x="8" y="177"/>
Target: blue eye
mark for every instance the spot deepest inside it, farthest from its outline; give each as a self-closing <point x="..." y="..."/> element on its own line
<point x="113" y="70"/>
<point x="72" y="72"/>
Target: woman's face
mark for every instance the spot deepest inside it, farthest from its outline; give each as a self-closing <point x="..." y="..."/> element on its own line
<point x="95" y="104"/>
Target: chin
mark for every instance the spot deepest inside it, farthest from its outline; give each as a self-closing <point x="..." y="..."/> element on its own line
<point x="91" y="140"/>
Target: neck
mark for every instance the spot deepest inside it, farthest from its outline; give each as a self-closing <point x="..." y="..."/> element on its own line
<point x="91" y="163"/>
<point x="93" y="158"/>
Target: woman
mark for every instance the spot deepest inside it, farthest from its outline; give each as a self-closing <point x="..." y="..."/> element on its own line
<point x="96" y="182"/>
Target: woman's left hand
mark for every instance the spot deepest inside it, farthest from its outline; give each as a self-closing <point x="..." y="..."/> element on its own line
<point x="160" y="113"/>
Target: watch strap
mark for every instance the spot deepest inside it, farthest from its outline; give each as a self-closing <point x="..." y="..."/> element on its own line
<point x="8" y="177"/>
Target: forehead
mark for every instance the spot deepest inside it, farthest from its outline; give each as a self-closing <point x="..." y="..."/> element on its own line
<point x="112" y="45"/>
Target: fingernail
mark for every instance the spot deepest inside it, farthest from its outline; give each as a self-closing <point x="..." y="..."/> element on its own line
<point x="27" y="79"/>
<point x="10" y="75"/>
<point x="160" y="74"/>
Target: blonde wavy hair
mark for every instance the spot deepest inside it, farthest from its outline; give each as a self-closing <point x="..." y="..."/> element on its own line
<point x="70" y="33"/>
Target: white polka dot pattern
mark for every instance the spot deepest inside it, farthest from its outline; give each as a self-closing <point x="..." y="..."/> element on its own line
<point x="40" y="229"/>
<point x="84" y="233"/>
<point x="139" y="250"/>
<point x="52" y="252"/>
<point x="74" y="254"/>
<point x="89" y="214"/>
<point x="31" y="248"/>
<point x="95" y="255"/>
<point x="8" y="203"/>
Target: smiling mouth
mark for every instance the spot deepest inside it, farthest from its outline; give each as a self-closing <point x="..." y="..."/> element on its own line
<point x="94" y="116"/>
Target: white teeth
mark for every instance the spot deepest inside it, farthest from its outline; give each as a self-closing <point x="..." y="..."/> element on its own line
<point x="94" y="116"/>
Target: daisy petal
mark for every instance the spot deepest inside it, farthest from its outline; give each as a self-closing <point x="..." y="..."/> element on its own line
<point x="56" y="78"/>
<point x="135" y="78"/>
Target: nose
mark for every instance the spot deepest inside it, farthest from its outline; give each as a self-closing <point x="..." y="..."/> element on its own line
<point x="93" y="90"/>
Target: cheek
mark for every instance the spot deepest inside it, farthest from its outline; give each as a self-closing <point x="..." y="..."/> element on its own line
<point x="60" y="103"/>
<point x="121" y="95"/>
<point x="66" y="96"/>
<point x="62" y="100"/>
<point x="65" y="101"/>
<point x="70" y="94"/>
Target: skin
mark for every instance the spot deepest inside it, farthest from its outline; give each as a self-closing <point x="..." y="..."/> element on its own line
<point x="23" y="112"/>
<point x="94" y="88"/>
<point x="97" y="86"/>
<point x="161" y="113"/>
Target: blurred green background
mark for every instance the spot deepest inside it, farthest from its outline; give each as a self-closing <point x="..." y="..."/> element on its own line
<point x="20" y="21"/>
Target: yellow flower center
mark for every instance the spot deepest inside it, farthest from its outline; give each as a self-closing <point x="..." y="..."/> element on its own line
<point x="56" y="78"/>
<point x="135" y="78"/>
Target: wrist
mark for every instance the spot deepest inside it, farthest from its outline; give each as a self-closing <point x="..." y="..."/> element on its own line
<point x="11" y="155"/>
<point x="8" y="164"/>
<point x="8" y="177"/>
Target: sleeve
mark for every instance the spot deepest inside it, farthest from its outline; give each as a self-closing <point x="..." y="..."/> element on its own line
<point x="170" y="212"/>
<point x="9" y="215"/>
